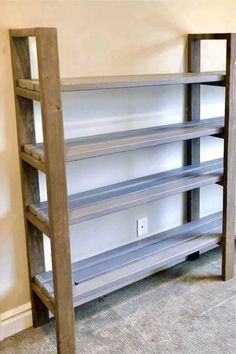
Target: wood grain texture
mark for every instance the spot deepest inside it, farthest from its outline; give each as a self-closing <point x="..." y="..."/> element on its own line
<point x="48" y="64"/>
<point x="22" y="32"/>
<point x="45" y="298"/>
<point x="32" y="95"/>
<point x="29" y="175"/>
<point x="42" y="226"/>
<point x="229" y="161"/>
<point x="112" y="82"/>
<point x="209" y="36"/>
<point x="39" y="165"/>
<point x="193" y="150"/>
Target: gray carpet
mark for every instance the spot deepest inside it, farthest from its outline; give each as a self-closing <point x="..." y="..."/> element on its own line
<point x="185" y="309"/>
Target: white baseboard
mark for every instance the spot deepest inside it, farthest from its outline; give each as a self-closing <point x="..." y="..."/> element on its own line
<point x="15" y="320"/>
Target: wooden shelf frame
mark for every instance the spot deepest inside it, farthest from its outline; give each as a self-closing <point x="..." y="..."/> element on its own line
<point x="54" y="168"/>
<point x="193" y="204"/>
<point x="117" y="266"/>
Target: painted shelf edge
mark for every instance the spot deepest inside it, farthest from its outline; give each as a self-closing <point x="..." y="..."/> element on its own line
<point x="128" y="140"/>
<point x="111" y="270"/>
<point x="120" y="196"/>
<point x="127" y="81"/>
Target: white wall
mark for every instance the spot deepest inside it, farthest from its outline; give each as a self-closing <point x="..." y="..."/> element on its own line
<point x="109" y="38"/>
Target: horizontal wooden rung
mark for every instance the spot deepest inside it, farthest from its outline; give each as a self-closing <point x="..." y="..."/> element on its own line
<point x="32" y="95"/>
<point x="209" y="36"/>
<point x="41" y="225"/>
<point x="31" y="160"/>
<point x="44" y="296"/>
<point x="22" y="32"/>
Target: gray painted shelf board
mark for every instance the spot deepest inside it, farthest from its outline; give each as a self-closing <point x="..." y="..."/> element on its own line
<point x="126" y="81"/>
<point x="110" y="143"/>
<point x="113" y="269"/>
<point x="120" y="196"/>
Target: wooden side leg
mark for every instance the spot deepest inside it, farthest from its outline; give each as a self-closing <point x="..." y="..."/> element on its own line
<point x="29" y="175"/>
<point x="35" y="247"/>
<point x="194" y="63"/>
<point x="51" y="106"/>
<point x="193" y="149"/>
<point x="229" y="162"/>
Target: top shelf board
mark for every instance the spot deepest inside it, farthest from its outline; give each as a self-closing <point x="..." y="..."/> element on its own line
<point x="128" y="81"/>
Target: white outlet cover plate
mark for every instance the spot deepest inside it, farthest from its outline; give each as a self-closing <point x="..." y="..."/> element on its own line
<point x="142" y="227"/>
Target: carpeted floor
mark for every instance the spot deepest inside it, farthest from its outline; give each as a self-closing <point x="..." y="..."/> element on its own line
<point x="185" y="309"/>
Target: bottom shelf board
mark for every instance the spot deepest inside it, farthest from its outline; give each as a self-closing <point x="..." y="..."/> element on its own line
<point x="111" y="270"/>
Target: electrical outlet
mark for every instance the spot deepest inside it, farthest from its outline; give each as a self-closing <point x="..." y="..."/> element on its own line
<point x="142" y="227"/>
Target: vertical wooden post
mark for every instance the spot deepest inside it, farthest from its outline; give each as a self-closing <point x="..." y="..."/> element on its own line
<point x="29" y="175"/>
<point x="229" y="161"/>
<point x="194" y="65"/>
<point x="50" y="91"/>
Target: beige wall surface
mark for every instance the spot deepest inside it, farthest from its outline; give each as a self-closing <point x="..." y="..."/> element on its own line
<point x="106" y="38"/>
